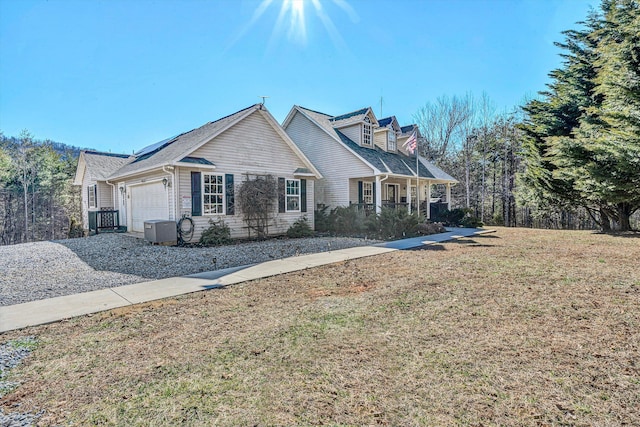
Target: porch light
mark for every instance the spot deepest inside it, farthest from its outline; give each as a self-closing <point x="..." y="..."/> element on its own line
<point x="165" y="181"/>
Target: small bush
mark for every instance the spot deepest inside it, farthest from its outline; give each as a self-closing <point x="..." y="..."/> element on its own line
<point x="393" y="224"/>
<point x="300" y="228"/>
<point x="458" y="217"/>
<point x="75" y="229"/>
<point x="427" y="228"/>
<point x="346" y="221"/>
<point x="217" y="234"/>
<point x="322" y="221"/>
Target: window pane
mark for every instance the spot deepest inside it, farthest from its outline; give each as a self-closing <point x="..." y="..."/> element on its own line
<point x="293" y="203"/>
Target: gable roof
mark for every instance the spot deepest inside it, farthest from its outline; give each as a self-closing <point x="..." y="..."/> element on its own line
<point x="377" y="158"/>
<point x="176" y="148"/>
<point x="408" y="128"/>
<point x="101" y="164"/>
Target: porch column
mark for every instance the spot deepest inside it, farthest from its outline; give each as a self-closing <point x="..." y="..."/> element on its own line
<point x="378" y="200"/>
<point x="449" y="195"/>
<point x="409" y="195"/>
<point x="428" y="199"/>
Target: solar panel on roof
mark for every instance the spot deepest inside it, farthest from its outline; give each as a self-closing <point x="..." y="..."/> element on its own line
<point x="153" y="147"/>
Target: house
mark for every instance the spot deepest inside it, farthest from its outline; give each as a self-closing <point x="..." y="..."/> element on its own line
<point x="364" y="163"/>
<point x="196" y="174"/>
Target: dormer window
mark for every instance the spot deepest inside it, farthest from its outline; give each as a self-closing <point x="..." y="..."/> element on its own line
<point x="391" y="140"/>
<point x="367" y="132"/>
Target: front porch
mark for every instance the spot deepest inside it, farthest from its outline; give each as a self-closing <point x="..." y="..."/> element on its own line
<point x="371" y="194"/>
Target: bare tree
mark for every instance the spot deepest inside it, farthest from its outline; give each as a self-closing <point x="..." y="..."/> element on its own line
<point x="441" y="124"/>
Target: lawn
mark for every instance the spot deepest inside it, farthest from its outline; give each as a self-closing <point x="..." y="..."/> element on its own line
<point x="520" y="327"/>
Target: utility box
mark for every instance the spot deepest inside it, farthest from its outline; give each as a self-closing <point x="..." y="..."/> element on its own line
<point x="160" y="231"/>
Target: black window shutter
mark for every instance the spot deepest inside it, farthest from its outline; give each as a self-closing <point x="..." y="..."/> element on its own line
<point x="359" y="191"/>
<point x="281" y="195"/>
<point x="196" y="194"/>
<point x="303" y="195"/>
<point x="228" y="179"/>
<point x="373" y="193"/>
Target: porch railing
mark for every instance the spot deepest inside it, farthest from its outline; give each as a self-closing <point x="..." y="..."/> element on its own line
<point x="104" y="220"/>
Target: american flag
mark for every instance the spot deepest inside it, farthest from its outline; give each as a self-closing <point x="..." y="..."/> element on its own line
<point x="411" y="143"/>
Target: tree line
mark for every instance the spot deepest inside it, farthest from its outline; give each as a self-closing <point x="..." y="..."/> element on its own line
<point x="37" y="198"/>
<point x="568" y="159"/>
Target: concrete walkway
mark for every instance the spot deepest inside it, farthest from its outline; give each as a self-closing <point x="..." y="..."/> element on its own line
<point x="54" y="309"/>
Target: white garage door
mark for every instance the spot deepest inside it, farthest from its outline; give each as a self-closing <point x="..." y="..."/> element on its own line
<point x="148" y="201"/>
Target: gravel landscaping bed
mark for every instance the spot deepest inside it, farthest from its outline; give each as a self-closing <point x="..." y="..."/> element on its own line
<point x="33" y="271"/>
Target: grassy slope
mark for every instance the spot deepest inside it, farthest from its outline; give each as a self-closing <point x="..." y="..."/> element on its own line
<point x="521" y="327"/>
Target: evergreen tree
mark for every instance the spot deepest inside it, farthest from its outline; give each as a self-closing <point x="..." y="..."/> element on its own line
<point x="582" y="138"/>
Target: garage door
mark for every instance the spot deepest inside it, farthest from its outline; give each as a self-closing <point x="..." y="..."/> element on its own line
<point x="148" y="201"/>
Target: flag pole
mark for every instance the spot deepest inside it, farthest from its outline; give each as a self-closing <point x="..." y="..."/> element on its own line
<point x="417" y="176"/>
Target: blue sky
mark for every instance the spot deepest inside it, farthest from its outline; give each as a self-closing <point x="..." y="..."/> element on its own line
<point x="119" y="75"/>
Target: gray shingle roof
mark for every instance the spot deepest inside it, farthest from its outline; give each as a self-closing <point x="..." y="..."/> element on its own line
<point x="174" y="148"/>
<point x="384" y="122"/>
<point x="196" y="161"/>
<point x="102" y="165"/>
<point x="386" y="162"/>
<point x="360" y="112"/>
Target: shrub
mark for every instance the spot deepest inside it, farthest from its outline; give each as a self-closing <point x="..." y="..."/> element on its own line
<point x="458" y="217"/>
<point x="427" y="228"/>
<point x="300" y="228"/>
<point x="393" y="224"/>
<point x="346" y="221"/>
<point x="322" y="221"/>
<point x="217" y="234"/>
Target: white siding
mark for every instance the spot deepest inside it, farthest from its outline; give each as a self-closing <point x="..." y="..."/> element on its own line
<point x="354" y="133"/>
<point x="86" y="182"/>
<point x="104" y="193"/>
<point x="251" y="146"/>
<point x="380" y="139"/>
<point x="335" y="162"/>
<point x="105" y="196"/>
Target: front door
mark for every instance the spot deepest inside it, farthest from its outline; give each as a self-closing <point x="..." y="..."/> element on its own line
<point x="392" y="193"/>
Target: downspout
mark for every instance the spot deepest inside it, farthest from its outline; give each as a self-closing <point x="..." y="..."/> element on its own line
<point x="113" y="194"/>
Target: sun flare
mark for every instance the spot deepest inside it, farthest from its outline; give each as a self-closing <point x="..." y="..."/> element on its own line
<point x="292" y="20"/>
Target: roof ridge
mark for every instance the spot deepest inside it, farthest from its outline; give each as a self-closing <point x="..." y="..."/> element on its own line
<point x="351" y="114"/>
<point x="314" y="111"/>
<point x="104" y="153"/>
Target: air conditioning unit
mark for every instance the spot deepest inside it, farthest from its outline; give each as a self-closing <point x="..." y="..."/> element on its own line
<point x="160" y="231"/>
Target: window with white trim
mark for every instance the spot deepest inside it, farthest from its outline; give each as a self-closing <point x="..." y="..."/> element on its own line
<point x="391" y="140"/>
<point x="212" y="194"/>
<point x="292" y="195"/>
<point x="92" y="196"/>
<point x="367" y="192"/>
<point x="367" y="130"/>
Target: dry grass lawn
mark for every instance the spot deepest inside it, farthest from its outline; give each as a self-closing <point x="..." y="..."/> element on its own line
<point x="521" y="328"/>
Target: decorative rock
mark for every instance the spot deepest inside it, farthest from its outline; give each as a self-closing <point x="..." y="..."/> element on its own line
<point x="40" y="270"/>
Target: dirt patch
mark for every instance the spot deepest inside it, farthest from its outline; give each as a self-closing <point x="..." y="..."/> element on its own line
<point x="523" y="327"/>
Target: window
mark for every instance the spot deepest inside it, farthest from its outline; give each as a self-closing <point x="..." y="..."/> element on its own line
<point x="212" y="194"/>
<point x="292" y="195"/>
<point x="367" y="192"/>
<point x="366" y="132"/>
<point x="93" y="198"/>
<point x="391" y="141"/>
